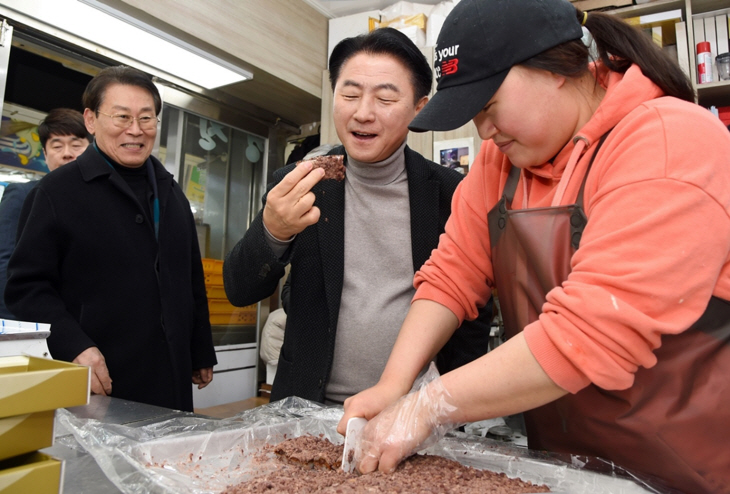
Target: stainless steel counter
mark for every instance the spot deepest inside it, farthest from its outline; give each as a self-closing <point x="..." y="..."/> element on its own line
<point x="82" y="474"/>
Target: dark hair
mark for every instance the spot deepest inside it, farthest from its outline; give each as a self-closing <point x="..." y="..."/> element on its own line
<point x="62" y="122"/>
<point x="385" y="41"/>
<point x="619" y="45"/>
<point x="121" y="74"/>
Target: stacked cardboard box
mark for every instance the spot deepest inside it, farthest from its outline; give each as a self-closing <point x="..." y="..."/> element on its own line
<point x="222" y="312"/>
<point x="31" y="389"/>
<point x="586" y="5"/>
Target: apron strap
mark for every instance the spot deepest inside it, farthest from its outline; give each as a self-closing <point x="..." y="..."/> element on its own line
<point x="511" y="185"/>
<point x="578" y="218"/>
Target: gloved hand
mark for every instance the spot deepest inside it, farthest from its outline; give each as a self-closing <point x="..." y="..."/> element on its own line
<point x="414" y="422"/>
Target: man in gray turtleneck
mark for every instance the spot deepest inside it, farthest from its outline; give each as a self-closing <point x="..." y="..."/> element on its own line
<point x="354" y="245"/>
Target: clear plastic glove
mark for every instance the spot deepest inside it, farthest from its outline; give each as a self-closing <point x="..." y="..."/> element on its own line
<point x="414" y="422"/>
<point x="368" y="403"/>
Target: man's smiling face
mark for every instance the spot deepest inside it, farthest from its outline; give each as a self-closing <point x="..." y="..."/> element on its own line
<point x="129" y="146"/>
<point x="373" y="105"/>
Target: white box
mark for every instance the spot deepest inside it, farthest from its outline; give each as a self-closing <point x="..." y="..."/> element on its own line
<point x="24" y="338"/>
<point x="721" y="33"/>
<point x="348" y="26"/>
<point x="415" y="33"/>
<point x="711" y="37"/>
<point x="682" y="47"/>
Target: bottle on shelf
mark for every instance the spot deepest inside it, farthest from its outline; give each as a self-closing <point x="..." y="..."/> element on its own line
<point x="704" y="63"/>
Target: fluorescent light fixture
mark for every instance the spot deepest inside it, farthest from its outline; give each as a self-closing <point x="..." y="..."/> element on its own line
<point x="118" y="32"/>
<point x="164" y="51"/>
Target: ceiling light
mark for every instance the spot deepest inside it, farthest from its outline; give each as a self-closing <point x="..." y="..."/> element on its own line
<point x="123" y="34"/>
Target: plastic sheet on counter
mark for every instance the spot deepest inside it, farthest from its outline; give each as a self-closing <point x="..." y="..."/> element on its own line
<point x="198" y="455"/>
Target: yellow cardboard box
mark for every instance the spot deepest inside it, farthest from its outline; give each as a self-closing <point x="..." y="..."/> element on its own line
<point x="32" y="384"/>
<point x="34" y="473"/>
<point x="25" y="433"/>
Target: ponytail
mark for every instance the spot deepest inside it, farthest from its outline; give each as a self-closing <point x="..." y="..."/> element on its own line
<point x="619" y="45"/>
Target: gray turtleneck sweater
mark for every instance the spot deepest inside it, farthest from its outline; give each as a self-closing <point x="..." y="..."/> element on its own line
<point x="378" y="279"/>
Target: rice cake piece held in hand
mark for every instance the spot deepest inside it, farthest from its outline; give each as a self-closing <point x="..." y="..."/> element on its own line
<point x="334" y="167"/>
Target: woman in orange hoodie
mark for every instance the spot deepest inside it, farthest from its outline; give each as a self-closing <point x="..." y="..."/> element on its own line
<point x="599" y="208"/>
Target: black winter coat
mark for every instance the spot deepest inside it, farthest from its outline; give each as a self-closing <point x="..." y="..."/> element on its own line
<point x="252" y="271"/>
<point x="87" y="262"/>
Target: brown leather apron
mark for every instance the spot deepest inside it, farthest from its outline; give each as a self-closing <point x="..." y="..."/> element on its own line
<point x="672" y="427"/>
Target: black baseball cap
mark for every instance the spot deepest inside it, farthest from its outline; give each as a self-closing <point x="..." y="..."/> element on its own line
<point x="479" y="43"/>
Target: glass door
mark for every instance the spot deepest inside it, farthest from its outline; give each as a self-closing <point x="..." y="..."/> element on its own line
<point x="218" y="167"/>
<point x="6" y="39"/>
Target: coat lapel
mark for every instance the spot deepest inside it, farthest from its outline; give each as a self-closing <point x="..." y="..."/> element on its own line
<point x="330" y="199"/>
<point x="423" y="195"/>
<point x="92" y="166"/>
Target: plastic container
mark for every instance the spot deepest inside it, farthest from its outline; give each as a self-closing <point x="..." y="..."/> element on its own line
<point x="704" y="63"/>
<point x="723" y="66"/>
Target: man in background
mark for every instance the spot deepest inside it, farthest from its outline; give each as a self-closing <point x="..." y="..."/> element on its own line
<point x="108" y="255"/>
<point x="63" y="137"/>
<point x="354" y="245"/>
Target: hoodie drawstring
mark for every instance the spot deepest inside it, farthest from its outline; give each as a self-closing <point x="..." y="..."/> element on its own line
<point x="580" y="145"/>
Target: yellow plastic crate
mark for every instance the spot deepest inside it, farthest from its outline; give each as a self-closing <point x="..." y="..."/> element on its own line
<point x="238" y="317"/>
<point x="215" y="292"/>
<point x="219" y="306"/>
<point x="212" y="266"/>
<point x="214" y="279"/>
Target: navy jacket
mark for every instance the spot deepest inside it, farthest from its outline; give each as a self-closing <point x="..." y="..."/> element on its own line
<point x="252" y="272"/>
<point x="87" y="262"/>
<point x="10" y="207"/>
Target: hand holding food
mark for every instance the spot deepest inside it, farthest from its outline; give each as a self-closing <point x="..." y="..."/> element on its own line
<point x="290" y="204"/>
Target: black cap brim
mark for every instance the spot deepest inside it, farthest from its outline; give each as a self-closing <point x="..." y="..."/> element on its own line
<point x="452" y="107"/>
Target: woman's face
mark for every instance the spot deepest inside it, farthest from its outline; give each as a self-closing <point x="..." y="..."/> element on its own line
<point x="531" y="116"/>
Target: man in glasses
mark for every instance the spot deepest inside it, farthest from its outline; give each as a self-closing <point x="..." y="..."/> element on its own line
<point x="63" y="137"/>
<point x="108" y="254"/>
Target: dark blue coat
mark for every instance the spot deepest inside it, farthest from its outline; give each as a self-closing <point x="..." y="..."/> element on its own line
<point x="88" y="263"/>
<point x="252" y="272"/>
<point x="10" y="206"/>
